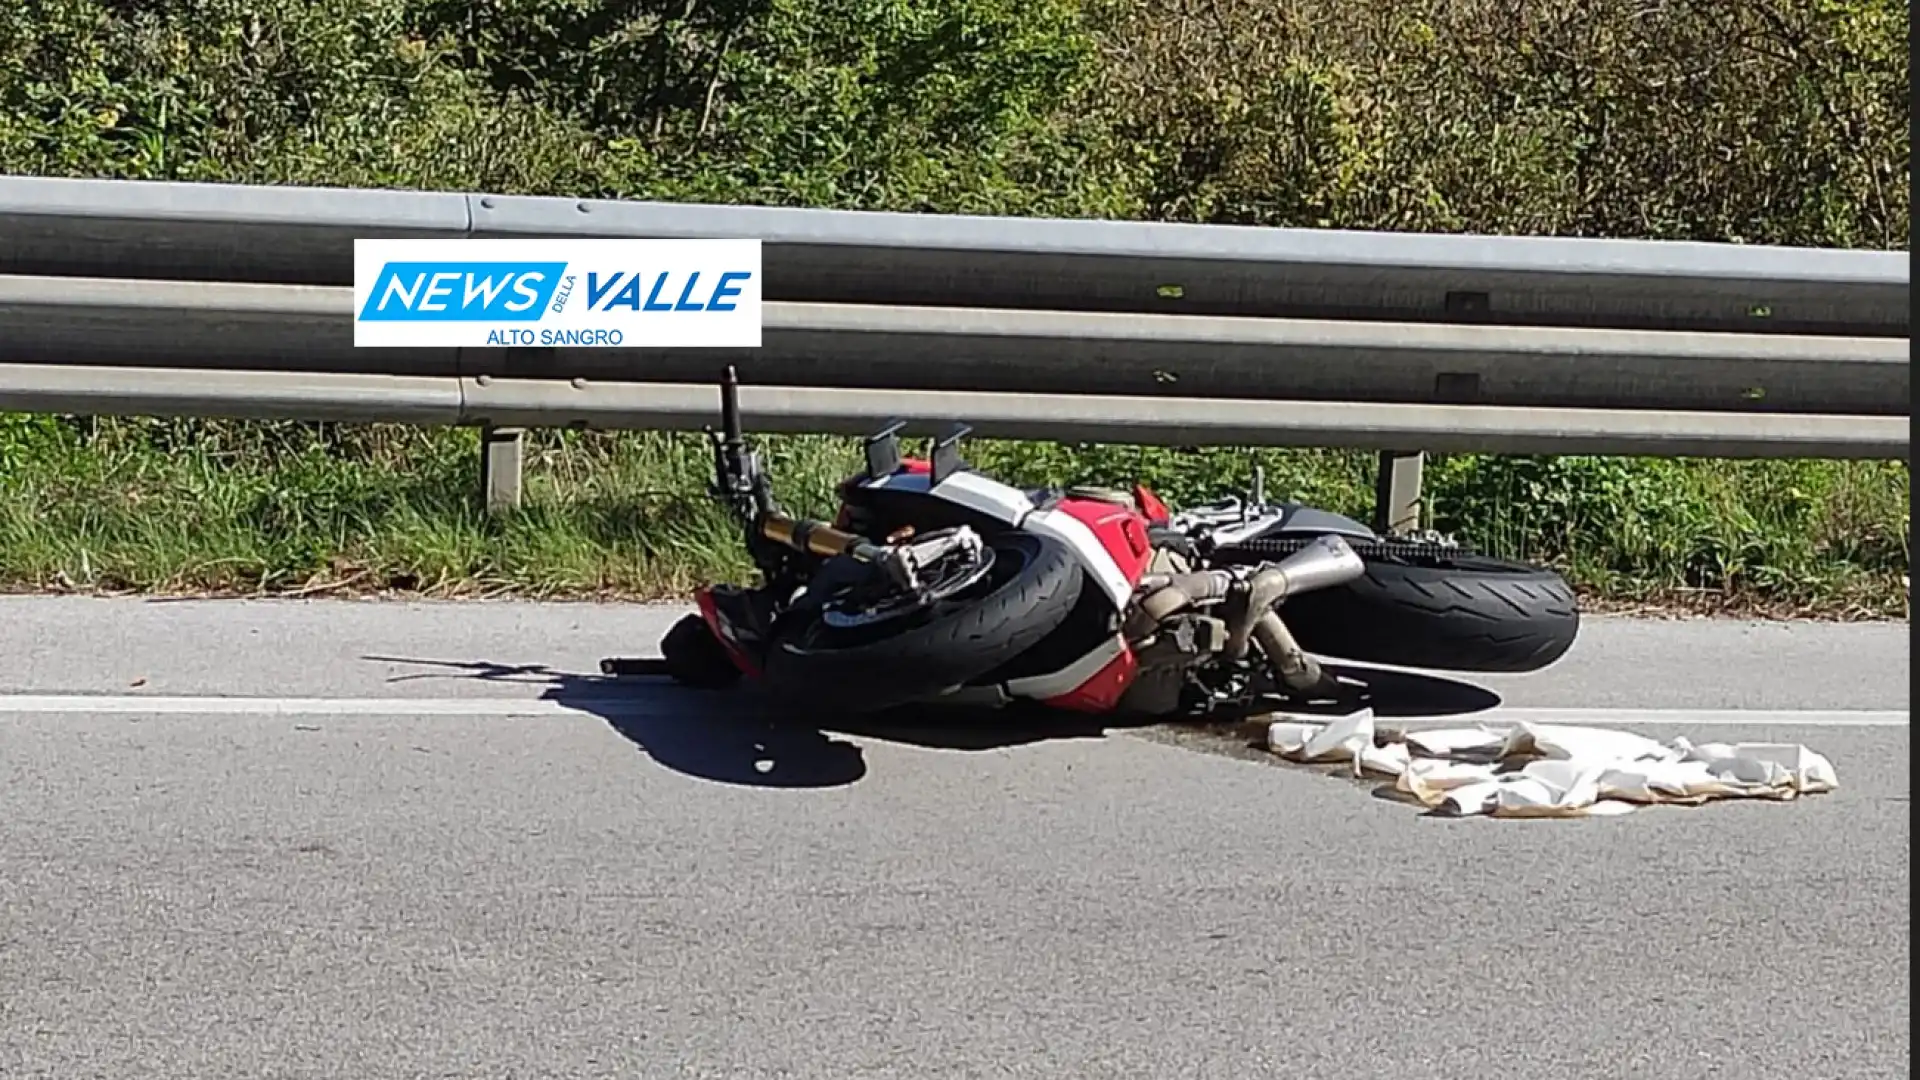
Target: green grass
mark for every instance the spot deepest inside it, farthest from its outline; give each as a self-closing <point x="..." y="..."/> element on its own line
<point x="177" y="507"/>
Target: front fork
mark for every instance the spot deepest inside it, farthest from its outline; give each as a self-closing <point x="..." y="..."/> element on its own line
<point x="816" y="538"/>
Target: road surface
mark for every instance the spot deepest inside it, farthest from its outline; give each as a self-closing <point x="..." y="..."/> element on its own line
<point x="427" y="841"/>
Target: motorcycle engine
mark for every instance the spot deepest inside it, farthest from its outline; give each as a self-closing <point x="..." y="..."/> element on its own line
<point x="1164" y="685"/>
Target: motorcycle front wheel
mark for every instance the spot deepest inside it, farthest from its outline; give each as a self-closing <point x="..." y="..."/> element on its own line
<point x="1027" y="591"/>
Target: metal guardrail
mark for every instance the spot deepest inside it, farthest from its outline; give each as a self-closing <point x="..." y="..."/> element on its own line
<point x="291" y="235"/>
<point x="219" y="300"/>
<point x="519" y="403"/>
<point x="225" y="326"/>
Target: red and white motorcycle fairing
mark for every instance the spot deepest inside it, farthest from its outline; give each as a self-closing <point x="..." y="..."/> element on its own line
<point x="1110" y="541"/>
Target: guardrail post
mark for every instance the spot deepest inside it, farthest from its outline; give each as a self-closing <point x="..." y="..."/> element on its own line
<point x="502" y="452"/>
<point x="1396" y="491"/>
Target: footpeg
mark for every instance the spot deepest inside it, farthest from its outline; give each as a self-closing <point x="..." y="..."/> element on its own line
<point x="621" y="667"/>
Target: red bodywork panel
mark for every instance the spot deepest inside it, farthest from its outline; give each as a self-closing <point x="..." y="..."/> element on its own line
<point x="1121" y="530"/>
<point x="1104" y="691"/>
<point x="723" y="630"/>
<point x="1151" y="507"/>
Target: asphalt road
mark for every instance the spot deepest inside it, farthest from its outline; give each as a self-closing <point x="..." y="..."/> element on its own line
<point x="427" y="841"/>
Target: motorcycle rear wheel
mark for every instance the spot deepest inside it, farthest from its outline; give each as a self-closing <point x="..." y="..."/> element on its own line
<point x="1029" y="591"/>
<point x="1427" y="606"/>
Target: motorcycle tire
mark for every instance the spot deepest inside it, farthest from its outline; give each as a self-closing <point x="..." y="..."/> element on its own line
<point x="1448" y="610"/>
<point x="1033" y="586"/>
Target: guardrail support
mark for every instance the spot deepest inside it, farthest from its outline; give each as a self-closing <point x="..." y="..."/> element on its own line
<point x="502" y="453"/>
<point x="1396" y="491"/>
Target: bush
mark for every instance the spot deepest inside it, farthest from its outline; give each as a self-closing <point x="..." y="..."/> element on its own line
<point x="1754" y="121"/>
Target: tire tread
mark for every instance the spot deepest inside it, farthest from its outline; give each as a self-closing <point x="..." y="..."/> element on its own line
<point x="931" y="658"/>
<point x="1485" y="615"/>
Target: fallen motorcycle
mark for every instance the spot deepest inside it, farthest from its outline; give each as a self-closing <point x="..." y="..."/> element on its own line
<point x="936" y="583"/>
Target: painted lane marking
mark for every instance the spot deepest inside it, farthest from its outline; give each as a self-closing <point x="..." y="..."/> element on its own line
<point x="1815" y="718"/>
<point x="657" y="705"/>
<point x="500" y="708"/>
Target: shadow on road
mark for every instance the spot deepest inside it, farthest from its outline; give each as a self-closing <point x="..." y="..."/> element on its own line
<point x="742" y="737"/>
<point x="1412" y="695"/>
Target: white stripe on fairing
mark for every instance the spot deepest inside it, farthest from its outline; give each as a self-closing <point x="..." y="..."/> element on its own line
<point x="983" y="494"/>
<point x="1099" y="562"/>
<point x="1070" y="677"/>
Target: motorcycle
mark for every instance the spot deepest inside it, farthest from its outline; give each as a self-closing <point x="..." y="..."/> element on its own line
<point x="938" y="584"/>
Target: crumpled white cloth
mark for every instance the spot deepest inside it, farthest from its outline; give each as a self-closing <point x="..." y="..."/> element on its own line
<point x="1550" y="770"/>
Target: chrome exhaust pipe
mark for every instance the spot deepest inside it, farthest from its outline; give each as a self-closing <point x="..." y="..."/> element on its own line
<point x="1327" y="562"/>
<point x="1288" y="662"/>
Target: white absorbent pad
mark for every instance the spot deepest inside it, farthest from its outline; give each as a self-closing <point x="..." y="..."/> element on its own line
<point x="1550" y="770"/>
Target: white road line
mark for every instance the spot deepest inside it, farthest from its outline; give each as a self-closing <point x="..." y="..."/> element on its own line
<point x="1813" y="718"/>
<point x="498" y="708"/>
<point x="663" y="705"/>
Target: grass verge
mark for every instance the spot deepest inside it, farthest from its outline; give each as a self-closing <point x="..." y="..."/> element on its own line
<point x="154" y="506"/>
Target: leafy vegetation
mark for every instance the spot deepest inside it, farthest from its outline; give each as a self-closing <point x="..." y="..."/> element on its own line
<point x="1760" y="121"/>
